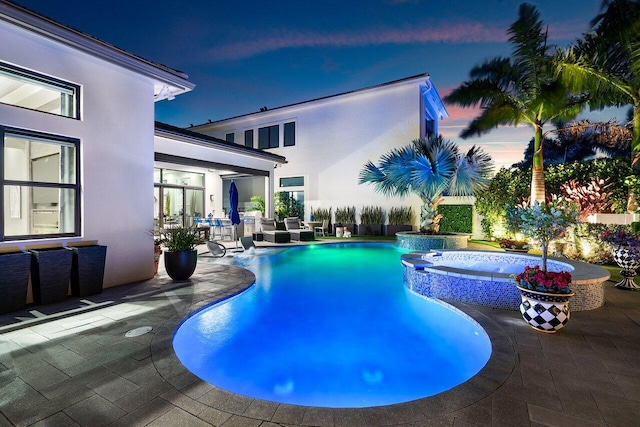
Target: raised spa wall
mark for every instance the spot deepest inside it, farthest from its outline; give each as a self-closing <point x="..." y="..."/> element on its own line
<point x="424" y="276"/>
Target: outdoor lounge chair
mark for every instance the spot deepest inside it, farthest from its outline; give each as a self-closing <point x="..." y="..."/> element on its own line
<point x="247" y="243"/>
<point x="216" y="249"/>
<point x="271" y="234"/>
<point x="297" y="232"/>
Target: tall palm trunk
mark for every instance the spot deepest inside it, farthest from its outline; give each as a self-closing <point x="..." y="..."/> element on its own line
<point x="537" y="173"/>
<point x="635" y="142"/>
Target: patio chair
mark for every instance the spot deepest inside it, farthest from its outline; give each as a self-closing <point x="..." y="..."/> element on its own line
<point x="321" y="229"/>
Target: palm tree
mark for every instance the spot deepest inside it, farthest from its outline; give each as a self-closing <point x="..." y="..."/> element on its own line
<point x="429" y="168"/>
<point x="520" y="89"/>
<point x="607" y="63"/>
<point x="580" y="140"/>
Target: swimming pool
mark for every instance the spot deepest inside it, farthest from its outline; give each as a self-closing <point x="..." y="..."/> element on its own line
<point x="331" y="326"/>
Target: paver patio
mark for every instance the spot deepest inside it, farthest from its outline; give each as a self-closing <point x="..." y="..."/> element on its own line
<point x="71" y="364"/>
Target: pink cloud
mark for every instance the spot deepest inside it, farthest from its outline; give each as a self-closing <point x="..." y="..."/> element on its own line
<point x="467" y="32"/>
<point x="472" y="32"/>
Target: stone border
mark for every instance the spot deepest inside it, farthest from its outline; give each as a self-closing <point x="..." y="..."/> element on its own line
<point x="423" y="275"/>
<point x="496" y="371"/>
<point x="424" y="242"/>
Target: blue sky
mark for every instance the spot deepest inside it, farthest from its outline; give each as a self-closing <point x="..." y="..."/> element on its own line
<point x="243" y="55"/>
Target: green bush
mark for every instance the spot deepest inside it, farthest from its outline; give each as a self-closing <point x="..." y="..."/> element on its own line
<point x="456" y="218"/>
<point x="510" y="186"/>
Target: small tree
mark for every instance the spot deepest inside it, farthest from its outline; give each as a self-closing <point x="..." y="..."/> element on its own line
<point x="545" y="222"/>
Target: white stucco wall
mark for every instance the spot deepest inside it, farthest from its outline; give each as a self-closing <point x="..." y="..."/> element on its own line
<point x="116" y="147"/>
<point x="335" y="137"/>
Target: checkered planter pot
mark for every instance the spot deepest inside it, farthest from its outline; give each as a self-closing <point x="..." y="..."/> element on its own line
<point x="545" y="312"/>
<point x="628" y="258"/>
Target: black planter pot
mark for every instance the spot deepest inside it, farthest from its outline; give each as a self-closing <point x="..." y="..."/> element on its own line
<point x="14" y="280"/>
<point x="87" y="270"/>
<point x="50" y="273"/>
<point x="180" y="265"/>
<point x="391" y="230"/>
<point x="370" y="229"/>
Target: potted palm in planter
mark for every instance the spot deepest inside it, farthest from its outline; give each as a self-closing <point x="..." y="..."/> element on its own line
<point x="371" y="220"/>
<point x="545" y="294"/>
<point x="400" y="219"/>
<point x="181" y="257"/>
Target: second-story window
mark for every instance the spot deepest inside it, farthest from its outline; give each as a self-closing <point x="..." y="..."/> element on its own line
<point x="27" y="89"/>
<point x="269" y="137"/>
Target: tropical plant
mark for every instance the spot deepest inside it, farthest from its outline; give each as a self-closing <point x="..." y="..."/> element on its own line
<point x="429" y="168"/>
<point x="593" y="197"/>
<point x="606" y="62"/>
<point x="545" y="222"/>
<point x="346" y="215"/>
<point x="520" y="89"/>
<point x="581" y="140"/>
<point x="287" y="206"/>
<point x="372" y="215"/>
<point x="402" y="215"/>
<point x="180" y="239"/>
<point x="257" y="204"/>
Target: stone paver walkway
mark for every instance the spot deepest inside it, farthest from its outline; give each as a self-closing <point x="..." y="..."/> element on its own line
<point x="71" y="364"/>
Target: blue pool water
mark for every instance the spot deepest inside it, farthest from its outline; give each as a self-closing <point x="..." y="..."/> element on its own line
<point x="331" y="326"/>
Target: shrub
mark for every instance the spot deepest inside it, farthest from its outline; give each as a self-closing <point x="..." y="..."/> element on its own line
<point x="346" y="215"/>
<point x="372" y="215"/>
<point x="321" y="214"/>
<point x="402" y="215"/>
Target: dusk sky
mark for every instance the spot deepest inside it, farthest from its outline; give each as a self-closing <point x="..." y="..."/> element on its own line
<point x="243" y="55"/>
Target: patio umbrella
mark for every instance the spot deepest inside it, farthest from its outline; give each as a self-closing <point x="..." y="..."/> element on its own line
<point x="234" y="216"/>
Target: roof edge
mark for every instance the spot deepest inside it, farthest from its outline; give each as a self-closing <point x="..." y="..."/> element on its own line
<point x="35" y="22"/>
<point x="190" y="136"/>
<point x="364" y="89"/>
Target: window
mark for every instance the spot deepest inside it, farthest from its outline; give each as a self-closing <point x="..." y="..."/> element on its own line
<point x="248" y="138"/>
<point x="429" y="127"/>
<point x="289" y="134"/>
<point x="230" y="137"/>
<point x="40" y="190"/>
<point x="34" y="91"/>
<point x="294" y="181"/>
<point x="269" y="137"/>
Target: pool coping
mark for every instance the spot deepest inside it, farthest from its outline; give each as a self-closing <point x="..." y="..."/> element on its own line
<point x="495" y="373"/>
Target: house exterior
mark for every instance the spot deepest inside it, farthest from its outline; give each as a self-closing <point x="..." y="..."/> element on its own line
<point x="327" y="141"/>
<point x="81" y="152"/>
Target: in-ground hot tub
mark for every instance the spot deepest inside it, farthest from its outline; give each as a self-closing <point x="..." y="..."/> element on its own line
<point x="484" y="277"/>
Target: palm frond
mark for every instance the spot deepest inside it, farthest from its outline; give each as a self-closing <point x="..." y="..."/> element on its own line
<point x="473" y="172"/>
